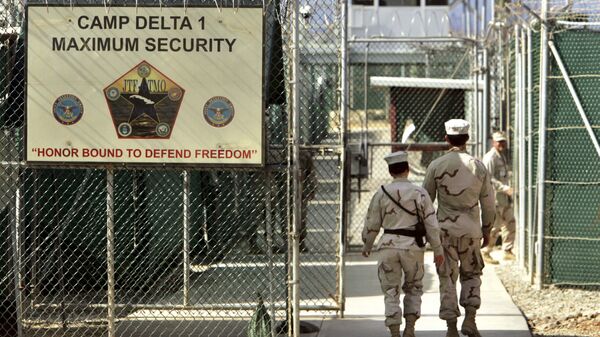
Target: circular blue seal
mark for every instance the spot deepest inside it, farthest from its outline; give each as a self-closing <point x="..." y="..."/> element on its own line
<point x="218" y="111"/>
<point x="67" y="109"/>
<point x="163" y="129"/>
<point x="113" y="93"/>
<point x="124" y="129"/>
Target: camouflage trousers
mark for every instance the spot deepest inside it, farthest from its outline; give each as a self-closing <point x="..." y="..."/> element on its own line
<point x="503" y="225"/>
<point x="393" y="263"/>
<point x="462" y="258"/>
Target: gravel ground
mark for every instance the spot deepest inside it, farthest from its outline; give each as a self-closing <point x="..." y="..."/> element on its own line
<point x="553" y="311"/>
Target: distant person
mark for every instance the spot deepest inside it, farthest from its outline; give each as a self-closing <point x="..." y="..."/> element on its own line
<point x="463" y="188"/>
<point x="398" y="207"/>
<point x="497" y="165"/>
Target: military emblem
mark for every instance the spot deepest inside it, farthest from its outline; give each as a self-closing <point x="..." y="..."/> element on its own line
<point x="67" y="109"/>
<point x="218" y="111"/>
<point x="144" y="103"/>
<point x="175" y="94"/>
<point x="163" y="129"/>
<point x="124" y="129"/>
<point x="113" y="94"/>
<point x="144" y="70"/>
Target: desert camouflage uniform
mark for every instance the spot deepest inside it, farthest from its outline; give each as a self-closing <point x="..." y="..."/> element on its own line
<point x="400" y="254"/>
<point x="496" y="164"/>
<point x="461" y="183"/>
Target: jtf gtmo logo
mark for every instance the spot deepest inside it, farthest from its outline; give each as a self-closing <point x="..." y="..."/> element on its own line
<point x="144" y="103"/>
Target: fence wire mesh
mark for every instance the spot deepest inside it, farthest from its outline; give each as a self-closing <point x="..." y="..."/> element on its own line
<point x="572" y="174"/>
<point x="193" y="248"/>
<point x="399" y="96"/>
<point x="571" y="194"/>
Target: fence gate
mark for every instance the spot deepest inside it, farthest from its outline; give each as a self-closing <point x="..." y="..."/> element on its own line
<point x="401" y="93"/>
<point x="121" y="250"/>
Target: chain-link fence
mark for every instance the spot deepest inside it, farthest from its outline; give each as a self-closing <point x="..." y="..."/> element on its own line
<point x="401" y="93"/>
<point x="131" y="250"/>
<point x="562" y="222"/>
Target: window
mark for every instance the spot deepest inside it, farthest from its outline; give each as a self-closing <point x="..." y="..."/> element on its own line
<point x="399" y="3"/>
<point x="436" y="2"/>
<point x="363" y="2"/>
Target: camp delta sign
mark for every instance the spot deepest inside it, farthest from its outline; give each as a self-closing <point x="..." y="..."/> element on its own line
<point x="145" y="85"/>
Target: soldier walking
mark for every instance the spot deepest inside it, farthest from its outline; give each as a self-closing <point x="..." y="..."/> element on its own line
<point x="465" y="214"/>
<point x="406" y="213"/>
<point x="497" y="165"/>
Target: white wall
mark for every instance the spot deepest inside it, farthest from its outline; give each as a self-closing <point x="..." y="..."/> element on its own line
<point x="417" y="21"/>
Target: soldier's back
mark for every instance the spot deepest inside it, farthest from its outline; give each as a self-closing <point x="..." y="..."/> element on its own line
<point x="458" y="179"/>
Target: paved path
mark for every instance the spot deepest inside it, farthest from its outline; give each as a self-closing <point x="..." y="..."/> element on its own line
<point x="497" y="317"/>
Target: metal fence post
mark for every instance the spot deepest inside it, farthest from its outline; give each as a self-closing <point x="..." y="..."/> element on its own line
<point x="517" y="131"/>
<point x="342" y="220"/>
<point x="476" y="110"/>
<point x="296" y="184"/>
<point x="541" y="176"/>
<point x="186" y="238"/>
<point x="521" y="142"/>
<point x="365" y="76"/>
<point x="16" y="250"/>
<point x="485" y="101"/>
<point x="110" y="250"/>
<point x="269" y="230"/>
<point x="516" y="150"/>
<point x="530" y="194"/>
<point x="505" y="123"/>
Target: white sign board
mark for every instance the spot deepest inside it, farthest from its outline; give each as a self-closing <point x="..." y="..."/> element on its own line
<point x="145" y="85"/>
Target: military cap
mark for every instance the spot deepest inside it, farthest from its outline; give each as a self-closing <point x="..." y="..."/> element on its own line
<point x="457" y="127"/>
<point x="499" y="136"/>
<point x="396" y="157"/>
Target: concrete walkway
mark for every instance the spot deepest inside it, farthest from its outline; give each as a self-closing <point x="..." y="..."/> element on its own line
<point x="497" y="317"/>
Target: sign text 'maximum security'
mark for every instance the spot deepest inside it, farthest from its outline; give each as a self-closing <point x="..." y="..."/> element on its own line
<point x="151" y="44"/>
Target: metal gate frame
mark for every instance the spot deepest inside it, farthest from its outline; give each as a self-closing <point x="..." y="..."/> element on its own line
<point x="479" y="81"/>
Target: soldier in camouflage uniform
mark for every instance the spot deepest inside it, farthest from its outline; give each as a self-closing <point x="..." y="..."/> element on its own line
<point x="465" y="202"/>
<point x="394" y="207"/>
<point x="497" y="165"/>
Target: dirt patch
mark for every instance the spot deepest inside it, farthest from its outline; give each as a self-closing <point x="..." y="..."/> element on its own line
<point x="553" y="311"/>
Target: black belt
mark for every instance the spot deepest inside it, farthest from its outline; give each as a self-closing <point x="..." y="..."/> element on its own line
<point x="403" y="232"/>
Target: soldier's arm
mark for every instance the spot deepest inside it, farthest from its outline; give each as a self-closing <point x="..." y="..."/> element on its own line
<point x="487" y="200"/>
<point x="432" y="226"/>
<point x="429" y="183"/>
<point x="373" y="222"/>
<point x="488" y="161"/>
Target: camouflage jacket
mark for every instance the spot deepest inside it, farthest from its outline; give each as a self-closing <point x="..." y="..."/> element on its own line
<point x="497" y="166"/>
<point x="462" y="185"/>
<point x="384" y="213"/>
